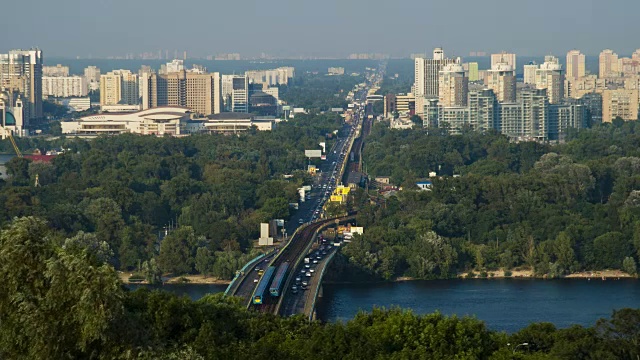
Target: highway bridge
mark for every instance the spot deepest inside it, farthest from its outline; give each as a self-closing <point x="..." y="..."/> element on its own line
<point x="303" y="243"/>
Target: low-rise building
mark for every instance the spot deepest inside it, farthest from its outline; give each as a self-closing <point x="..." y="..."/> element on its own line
<point x="166" y="120"/>
<point x="230" y="123"/>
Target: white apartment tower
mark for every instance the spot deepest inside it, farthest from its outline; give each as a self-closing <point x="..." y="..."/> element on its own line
<point x="530" y="73"/>
<point x="549" y="76"/>
<point x="92" y="76"/>
<point x="502" y="80"/>
<point x="427" y="73"/>
<point x="504" y="58"/>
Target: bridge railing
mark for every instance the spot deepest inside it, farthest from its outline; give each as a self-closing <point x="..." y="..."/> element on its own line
<point x="304" y="252"/>
<point x="241" y="274"/>
<point x="308" y="309"/>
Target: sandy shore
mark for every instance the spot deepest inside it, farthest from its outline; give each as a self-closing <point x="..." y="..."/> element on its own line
<point x="605" y="274"/>
<point x="187" y="279"/>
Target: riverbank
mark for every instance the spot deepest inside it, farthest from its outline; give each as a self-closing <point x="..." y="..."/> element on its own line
<point x="502" y="274"/>
<point x="125" y="277"/>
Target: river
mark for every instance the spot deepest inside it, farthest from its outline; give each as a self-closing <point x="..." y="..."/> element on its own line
<point x="503" y="304"/>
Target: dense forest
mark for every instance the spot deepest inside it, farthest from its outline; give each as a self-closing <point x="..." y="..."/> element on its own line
<point x="551" y="209"/>
<point x="127" y="189"/>
<point x="60" y="300"/>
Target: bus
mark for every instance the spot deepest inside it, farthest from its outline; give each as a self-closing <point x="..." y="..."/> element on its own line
<point x="258" y="295"/>
<point x="278" y="280"/>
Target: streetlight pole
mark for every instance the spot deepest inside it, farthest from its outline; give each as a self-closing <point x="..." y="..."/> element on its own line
<point x="517" y="346"/>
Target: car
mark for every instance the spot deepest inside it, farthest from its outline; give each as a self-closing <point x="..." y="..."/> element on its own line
<point x="305" y="283"/>
<point x="312" y="270"/>
<point x="315" y="261"/>
<point x="298" y="279"/>
<point x="300" y="221"/>
<point x="303" y="271"/>
<point x="256" y="280"/>
<point x="294" y="287"/>
<point x="319" y="257"/>
<point x="307" y="266"/>
<point x="308" y="274"/>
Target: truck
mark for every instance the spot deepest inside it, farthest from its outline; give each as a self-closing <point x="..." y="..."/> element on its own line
<point x="307" y="260"/>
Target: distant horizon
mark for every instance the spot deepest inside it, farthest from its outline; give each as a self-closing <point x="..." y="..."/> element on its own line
<point x="319" y="57"/>
<point x="329" y="28"/>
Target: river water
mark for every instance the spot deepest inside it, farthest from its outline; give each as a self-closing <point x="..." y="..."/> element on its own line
<point x="503" y="304"/>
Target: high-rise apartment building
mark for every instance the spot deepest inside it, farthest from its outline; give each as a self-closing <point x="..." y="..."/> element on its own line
<point x="200" y="92"/>
<point x="92" y="75"/>
<point x="608" y="62"/>
<point x="240" y="94"/>
<point x="119" y="87"/>
<point x="453" y="86"/>
<point x="502" y="80"/>
<point x="57" y="70"/>
<point x="483" y="110"/>
<point x="472" y="68"/>
<point x="427" y="73"/>
<point x="550" y="76"/>
<point x="21" y="76"/>
<point x="279" y="76"/>
<point x="575" y="64"/>
<point x="64" y="86"/>
<point x="619" y="103"/>
<point x="504" y="58"/>
<point x="530" y="73"/>
<point x="534" y="116"/>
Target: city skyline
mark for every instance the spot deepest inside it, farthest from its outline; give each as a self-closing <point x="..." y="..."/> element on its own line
<point x="330" y="28"/>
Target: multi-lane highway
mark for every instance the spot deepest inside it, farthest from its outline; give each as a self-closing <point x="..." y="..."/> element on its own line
<point x="303" y="279"/>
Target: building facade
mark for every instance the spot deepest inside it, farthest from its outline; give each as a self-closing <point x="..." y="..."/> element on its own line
<point x="530" y="73"/>
<point x="427" y="73"/>
<point x="453" y="86"/>
<point x="575" y="65"/>
<point x="119" y="87"/>
<point x="159" y="121"/>
<point x="619" y="103"/>
<point x="502" y="80"/>
<point x="608" y="64"/>
<point x="504" y="58"/>
<point x="280" y="76"/>
<point x="200" y="92"/>
<point x="57" y="70"/>
<point x="92" y="76"/>
<point x="550" y="77"/>
<point x="21" y="77"/>
<point x="64" y="86"/>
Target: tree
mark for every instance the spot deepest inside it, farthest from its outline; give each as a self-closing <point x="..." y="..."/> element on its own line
<point x="46" y="172"/>
<point x="629" y="266"/>
<point x="53" y="293"/>
<point x="204" y="261"/>
<point x="563" y="252"/>
<point x="95" y="248"/>
<point x="611" y="248"/>
<point x="18" y="170"/>
<point x="177" y="251"/>
<point x="106" y="217"/>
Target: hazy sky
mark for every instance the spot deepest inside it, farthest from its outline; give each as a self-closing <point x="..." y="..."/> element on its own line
<point x="322" y="27"/>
